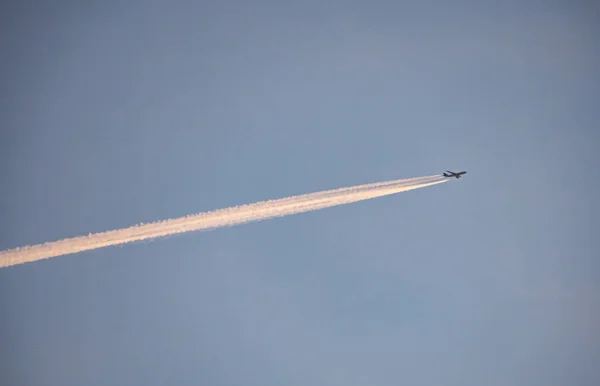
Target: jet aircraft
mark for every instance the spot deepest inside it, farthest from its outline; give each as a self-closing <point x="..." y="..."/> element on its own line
<point x="453" y="174"/>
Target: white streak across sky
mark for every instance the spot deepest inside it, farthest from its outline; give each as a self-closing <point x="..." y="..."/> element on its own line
<point x="216" y="219"/>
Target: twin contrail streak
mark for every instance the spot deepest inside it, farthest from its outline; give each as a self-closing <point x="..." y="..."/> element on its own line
<point x="220" y="218"/>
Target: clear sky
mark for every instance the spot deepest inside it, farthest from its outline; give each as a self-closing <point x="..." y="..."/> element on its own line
<point x="115" y="113"/>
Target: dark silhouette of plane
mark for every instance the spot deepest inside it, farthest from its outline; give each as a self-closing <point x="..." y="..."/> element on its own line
<point x="452" y="174"/>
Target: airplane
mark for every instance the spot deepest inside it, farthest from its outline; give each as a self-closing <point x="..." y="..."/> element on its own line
<point x="456" y="175"/>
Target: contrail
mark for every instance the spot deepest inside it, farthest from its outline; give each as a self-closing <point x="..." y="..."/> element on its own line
<point x="220" y="218"/>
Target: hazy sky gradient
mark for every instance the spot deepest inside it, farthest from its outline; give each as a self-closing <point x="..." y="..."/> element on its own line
<point x="115" y="114"/>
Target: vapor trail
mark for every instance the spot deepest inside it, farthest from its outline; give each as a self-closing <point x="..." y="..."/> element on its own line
<point x="220" y="218"/>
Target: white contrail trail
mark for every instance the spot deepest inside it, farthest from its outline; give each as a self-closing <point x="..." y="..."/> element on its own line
<point x="220" y="218"/>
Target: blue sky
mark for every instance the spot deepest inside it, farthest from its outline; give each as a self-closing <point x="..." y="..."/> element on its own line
<point x="115" y="114"/>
